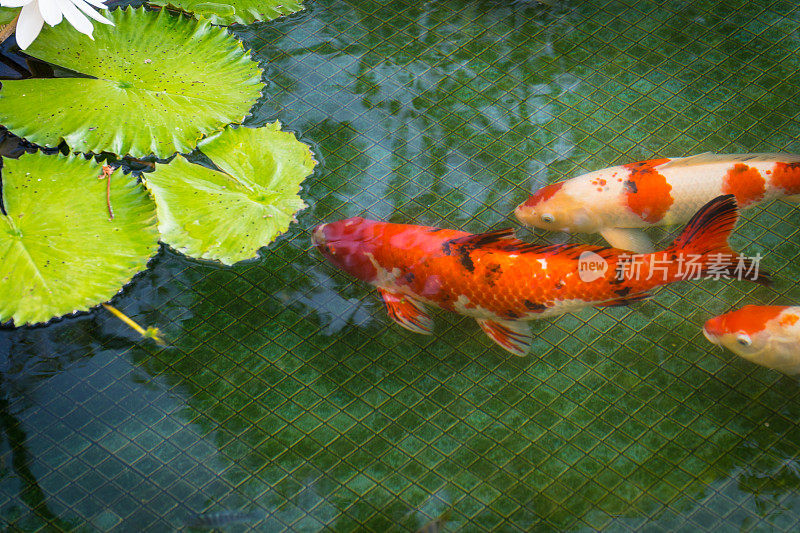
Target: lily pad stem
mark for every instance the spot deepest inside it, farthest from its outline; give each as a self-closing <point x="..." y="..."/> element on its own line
<point x="150" y="332"/>
<point x="107" y="171"/>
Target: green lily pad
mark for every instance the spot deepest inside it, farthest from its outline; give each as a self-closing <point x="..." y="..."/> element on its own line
<point x="228" y="215"/>
<point x="59" y="252"/>
<point x="163" y="81"/>
<point x="241" y="11"/>
<point x="7" y="15"/>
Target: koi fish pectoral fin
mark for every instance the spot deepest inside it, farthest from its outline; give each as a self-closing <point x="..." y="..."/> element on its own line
<point x="407" y="312"/>
<point x="628" y="239"/>
<point x="511" y="335"/>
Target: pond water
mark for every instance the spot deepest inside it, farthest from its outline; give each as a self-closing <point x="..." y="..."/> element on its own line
<point x="288" y="395"/>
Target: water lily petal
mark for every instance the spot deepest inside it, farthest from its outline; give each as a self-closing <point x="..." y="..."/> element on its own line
<point x="29" y="24"/>
<point x="86" y="8"/>
<point x="14" y="3"/>
<point x="51" y="11"/>
<point x="75" y="17"/>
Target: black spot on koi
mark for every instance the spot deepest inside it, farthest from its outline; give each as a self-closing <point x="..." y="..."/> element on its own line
<point x="538" y="308"/>
<point x="630" y="186"/>
<point x="493" y="273"/>
<point x="465" y="258"/>
<point x="464" y="252"/>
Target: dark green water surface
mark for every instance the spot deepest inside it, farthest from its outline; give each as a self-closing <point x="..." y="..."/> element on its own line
<point x="287" y="391"/>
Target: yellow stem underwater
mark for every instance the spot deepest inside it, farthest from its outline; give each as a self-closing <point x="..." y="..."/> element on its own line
<point x="150" y="332"/>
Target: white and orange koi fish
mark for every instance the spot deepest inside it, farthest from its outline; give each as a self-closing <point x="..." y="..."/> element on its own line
<point x="616" y="201"/>
<point x="768" y="335"/>
<point x="503" y="282"/>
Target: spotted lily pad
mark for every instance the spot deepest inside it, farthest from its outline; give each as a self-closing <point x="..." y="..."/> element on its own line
<point x="162" y="82"/>
<point x="59" y="252"/>
<point x="228" y="215"/>
<point x="241" y="11"/>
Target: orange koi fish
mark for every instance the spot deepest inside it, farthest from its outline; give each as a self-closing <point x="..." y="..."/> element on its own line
<point x="616" y="201"/>
<point x="768" y="335"/>
<point x="503" y="282"/>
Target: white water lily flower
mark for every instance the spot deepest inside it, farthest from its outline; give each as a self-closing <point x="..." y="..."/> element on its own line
<point x="36" y="12"/>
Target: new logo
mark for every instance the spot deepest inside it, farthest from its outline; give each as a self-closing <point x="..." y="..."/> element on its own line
<point x="591" y="266"/>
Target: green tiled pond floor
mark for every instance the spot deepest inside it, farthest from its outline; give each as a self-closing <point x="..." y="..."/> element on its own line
<point x="285" y="388"/>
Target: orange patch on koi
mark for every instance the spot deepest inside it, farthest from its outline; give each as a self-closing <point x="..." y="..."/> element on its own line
<point x="789" y="320"/>
<point x="647" y="192"/>
<point x="543" y="194"/>
<point x="744" y="182"/>
<point x="787" y="177"/>
<point x="749" y="319"/>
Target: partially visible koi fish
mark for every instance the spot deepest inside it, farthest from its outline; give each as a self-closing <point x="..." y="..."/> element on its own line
<point x="768" y="335"/>
<point x="616" y="201"/>
<point x="503" y="282"/>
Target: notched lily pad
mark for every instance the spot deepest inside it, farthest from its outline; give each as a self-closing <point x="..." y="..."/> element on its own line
<point x="241" y="11"/>
<point x="59" y="252"/>
<point x="228" y="215"/>
<point x="162" y="82"/>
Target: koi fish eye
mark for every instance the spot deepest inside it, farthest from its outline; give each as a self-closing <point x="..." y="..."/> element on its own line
<point x="744" y="339"/>
<point x="547" y="218"/>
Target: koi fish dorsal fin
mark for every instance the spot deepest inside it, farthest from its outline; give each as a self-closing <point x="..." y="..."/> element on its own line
<point x="407" y="311"/>
<point x="504" y="240"/>
<point x="570" y="251"/>
<point x="711" y="157"/>
<point x="511" y="335"/>
<point x="490" y="239"/>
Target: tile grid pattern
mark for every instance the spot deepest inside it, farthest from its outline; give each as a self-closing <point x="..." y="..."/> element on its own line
<point x="322" y="413"/>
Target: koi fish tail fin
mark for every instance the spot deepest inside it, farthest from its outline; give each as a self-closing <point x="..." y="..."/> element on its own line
<point x="703" y="250"/>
